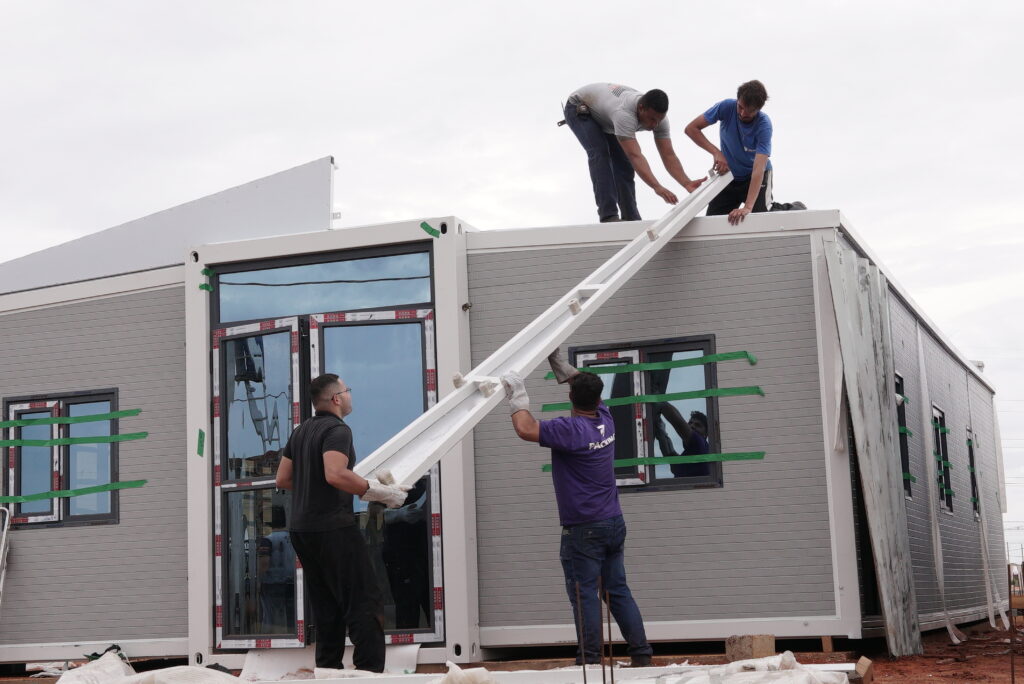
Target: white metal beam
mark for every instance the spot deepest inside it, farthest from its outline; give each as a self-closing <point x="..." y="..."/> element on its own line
<point x="410" y="453"/>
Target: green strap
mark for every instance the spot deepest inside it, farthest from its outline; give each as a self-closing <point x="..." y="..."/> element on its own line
<point x="975" y="500"/>
<point x="669" y="460"/>
<point x="944" y="430"/>
<point x="970" y="442"/>
<point x="206" y="286"/>
<point x="202" y="442"/>
<point x="69" y="420"/>
<point x="207" y="272"/>
<point x="905" y="399"/>
<point x="971" y="469"/>
<point x="906" y="431"/>
<point x="944" y="464"/>
<point x="946" y="490"/>
<point x="665" y="365"/>
<point x="656" y="398"/>
<point x="908" y="476"/>
<point x="104" y="439"/>
<point x="433" y="232"/>
<point x="66" y="493"/>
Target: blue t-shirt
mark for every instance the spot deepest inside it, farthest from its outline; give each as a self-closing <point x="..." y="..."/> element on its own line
<point x="741" y="141"/>
<point x="582" y="466"/>
<point x="697" y="445"/>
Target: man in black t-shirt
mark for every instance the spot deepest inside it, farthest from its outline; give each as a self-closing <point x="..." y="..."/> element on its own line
<point x="316" y="465"/>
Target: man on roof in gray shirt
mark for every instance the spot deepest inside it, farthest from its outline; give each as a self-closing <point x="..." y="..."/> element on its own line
<point x="605" y="118"/>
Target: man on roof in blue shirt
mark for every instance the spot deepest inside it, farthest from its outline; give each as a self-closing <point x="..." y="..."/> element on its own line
<point x="745" y="133"/>
<point x="593" y="531"/>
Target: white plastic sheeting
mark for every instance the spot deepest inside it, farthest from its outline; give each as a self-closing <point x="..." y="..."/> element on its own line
<point x="111" y="669"/>
<point x="860" y="298"/>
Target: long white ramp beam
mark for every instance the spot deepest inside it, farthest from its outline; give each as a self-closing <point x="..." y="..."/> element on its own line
<point x="410" y="453"/>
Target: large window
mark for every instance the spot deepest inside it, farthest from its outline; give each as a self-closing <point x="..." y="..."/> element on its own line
<point x="662" y="410"/>
<point x="904" y="436"/>
<point x="66" y="442"/>
<point x="366" y="315"/>
<point x="941" y="454"/>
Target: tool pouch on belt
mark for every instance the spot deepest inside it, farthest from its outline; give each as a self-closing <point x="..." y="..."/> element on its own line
<point x="582" y="111"/>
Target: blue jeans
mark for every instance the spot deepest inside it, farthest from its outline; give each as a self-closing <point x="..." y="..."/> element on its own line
<point x="610" y="169"/>
<point x="593" y="550"/>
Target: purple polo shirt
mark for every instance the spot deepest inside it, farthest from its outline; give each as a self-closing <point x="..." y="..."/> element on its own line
<point x="582" y="466"/>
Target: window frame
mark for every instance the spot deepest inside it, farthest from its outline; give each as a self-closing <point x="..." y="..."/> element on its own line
<point x="420" y="246"/>
<point x="904" y="435"/>
<point x="945" y="476"/>
<point x="972" y="469"/>
<point x="706" y="344"/>
<point x="60" y="456"/>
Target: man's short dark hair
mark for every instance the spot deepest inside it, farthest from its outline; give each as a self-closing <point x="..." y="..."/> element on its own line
<point x="700" y="418"/>
<point x="752" y="94"/>
<point x="321" y="386"/>
<point x="585" y="391"/>
<point x="656" y="100"/>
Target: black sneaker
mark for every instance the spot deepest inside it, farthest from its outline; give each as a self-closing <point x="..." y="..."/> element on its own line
<point x="640" y="661"/>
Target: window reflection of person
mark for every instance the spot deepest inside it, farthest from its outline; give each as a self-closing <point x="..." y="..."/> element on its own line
<point x="693" y="433"/>
<point x="277" y="577"/>
<point x="407" y="557"/>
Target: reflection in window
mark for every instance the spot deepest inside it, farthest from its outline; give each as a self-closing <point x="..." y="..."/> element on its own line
<point x="260" y="565"/>
<point x="669" y="439"/>
<point x="383" y="282"/>
<point x="383" y="364"/>
<point x="89" y="464"/>
<point x="36" y="465"/>
<point x="258" y="403"/>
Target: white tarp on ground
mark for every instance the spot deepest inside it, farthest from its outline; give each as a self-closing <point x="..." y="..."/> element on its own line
<point x="780" y="669"/>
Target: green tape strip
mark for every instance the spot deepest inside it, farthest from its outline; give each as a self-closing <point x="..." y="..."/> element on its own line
<point x="974" y="500"/>
<point x="63" y="441"/>
<point x="944" y="464"/>
<point x="67" y="493"/>
<point x="433" y="232"/>
<point x="207" y="287"/>
<point x="655" y="398"/>
<point x="944" y="430"/>
<point x="665" y="365"/>
<point x="69" y="420"/>
<point x="971" y="469"/>
<point x="202" y="442"/>
<point x="906" y="431"/>
<point x="970" y="442"/>
<point x="207" y="272"/>
<point x="946" y="490"/>
<point x="669" y="460"/>
<point x="908" y="476"/>
<point x="905" y="399"/>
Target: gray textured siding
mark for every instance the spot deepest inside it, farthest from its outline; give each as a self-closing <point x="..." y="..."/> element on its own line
<point x="949" y="386"/>
<point x="106" y="582"/>
<point x="759" y="546"/>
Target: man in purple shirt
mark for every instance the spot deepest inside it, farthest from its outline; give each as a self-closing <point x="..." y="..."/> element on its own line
<point x="593" y="531"/>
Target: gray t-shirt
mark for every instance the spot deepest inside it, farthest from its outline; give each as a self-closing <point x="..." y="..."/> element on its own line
<point x="613" y="107"/>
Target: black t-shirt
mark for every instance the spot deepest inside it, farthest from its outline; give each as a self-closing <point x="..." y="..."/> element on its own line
<point x="316" y="505"/>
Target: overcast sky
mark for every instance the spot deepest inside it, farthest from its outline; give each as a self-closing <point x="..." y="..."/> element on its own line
<point x="903" y="115"/>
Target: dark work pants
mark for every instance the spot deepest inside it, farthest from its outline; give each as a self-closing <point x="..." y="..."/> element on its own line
<point x="596" y="550"/>
<point x="611" y="172"/>
<point x="344" y="595"/>
<point x="735" y="194"/>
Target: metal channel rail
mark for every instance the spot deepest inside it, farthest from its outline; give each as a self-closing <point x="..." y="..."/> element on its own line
<point x="410" y="453"/>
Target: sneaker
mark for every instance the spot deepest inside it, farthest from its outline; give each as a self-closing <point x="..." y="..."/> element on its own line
<point x="640" y="661"/>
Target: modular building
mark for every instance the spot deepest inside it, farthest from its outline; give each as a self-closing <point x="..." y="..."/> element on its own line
<point x="855" y="485"/>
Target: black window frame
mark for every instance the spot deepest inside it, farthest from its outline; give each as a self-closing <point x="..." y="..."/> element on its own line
<point x="377" y="251"/>
<point x="706" y="344"/>
<point x="941" y="456"/>
<point x="972" y="468"/>
<point x="63" y="504"/>
<point x="904" y="438"/>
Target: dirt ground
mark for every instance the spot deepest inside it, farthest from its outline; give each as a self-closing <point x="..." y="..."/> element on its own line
<point x="984" y="657"/>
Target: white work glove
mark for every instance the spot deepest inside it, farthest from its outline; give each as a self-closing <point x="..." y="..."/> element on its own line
<point x="515" y="392"/>
<point x="562" y="369"/>
<point x="391" y="495"/>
